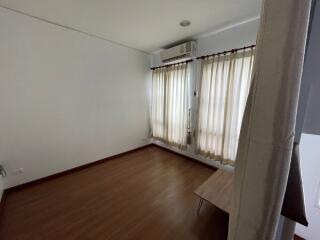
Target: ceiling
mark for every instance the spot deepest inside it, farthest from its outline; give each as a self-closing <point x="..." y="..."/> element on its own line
<point x="147" y="25"/>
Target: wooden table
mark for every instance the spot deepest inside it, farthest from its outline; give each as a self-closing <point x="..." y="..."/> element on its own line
<point x="217" y="190"/>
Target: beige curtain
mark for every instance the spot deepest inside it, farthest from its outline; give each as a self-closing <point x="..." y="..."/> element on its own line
<point x="169" y="105"/>
<point x="158" y="103"/>
<point x="267" y="133"/>
<point x="224" y="87"/>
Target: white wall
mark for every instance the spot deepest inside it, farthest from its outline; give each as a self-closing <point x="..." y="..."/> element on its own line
<point x="225" y="39"/>
<point x="310" y="167"/>
<point x="66" y="98"/>
<point x="233" y="37"/>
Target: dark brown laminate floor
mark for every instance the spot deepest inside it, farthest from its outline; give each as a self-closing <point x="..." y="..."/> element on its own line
<point x="147" y="194"/>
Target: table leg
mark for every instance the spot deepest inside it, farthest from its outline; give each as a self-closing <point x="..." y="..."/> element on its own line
<point x="199" y="206"/>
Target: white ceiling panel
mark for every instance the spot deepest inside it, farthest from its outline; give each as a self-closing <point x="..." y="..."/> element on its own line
<point x="147" y="25"/>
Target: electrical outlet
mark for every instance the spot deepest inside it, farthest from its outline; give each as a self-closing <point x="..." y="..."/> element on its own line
<point x="18" y="171"/>
<point x="317" y="204"/>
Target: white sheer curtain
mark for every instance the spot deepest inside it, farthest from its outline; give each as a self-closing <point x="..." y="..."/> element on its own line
<point x="157" y="103"/>
<point x="169" y="105"/>
<point x="224" y="87"/>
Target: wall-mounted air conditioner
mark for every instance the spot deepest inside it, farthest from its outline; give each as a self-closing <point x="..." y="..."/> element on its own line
<point x="182" y="51"/>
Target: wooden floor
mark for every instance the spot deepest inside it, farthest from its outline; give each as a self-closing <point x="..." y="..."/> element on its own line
<point x="147" y="194"/>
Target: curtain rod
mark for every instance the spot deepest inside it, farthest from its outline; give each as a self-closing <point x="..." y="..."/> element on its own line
<point x="169" y="65"/>
<point x="225" y="52"/>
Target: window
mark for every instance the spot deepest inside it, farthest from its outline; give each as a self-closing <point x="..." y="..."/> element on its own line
<point x="169" y="104"/>
<point x="224" y="87"/>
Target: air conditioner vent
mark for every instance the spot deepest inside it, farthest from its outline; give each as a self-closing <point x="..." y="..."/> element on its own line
<point x="181" y="51"/>
<point x="182" y="48"/>
<point x="188" y="46"/>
